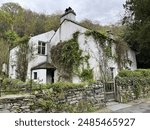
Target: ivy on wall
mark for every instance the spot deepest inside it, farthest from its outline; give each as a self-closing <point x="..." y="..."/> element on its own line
<point x="67" y="58"/>
<point x="22" y="59"/>
<point x="104" y="41"/>
<point x="121" y="56"/>
<point x="104" y="47"/>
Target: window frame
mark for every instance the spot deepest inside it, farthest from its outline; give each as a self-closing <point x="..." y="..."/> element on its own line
<point x="41" y="48"/>
<point x="112" y="72"/>
<point x="35" y="77"/>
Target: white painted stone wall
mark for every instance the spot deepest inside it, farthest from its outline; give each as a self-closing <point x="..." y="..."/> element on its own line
<point x="34" y="58"/>
<point x="132" y="57"/>
<point x="41" y="75"/>
<point x="13" y="63"/>
<point x="64" y="33"/>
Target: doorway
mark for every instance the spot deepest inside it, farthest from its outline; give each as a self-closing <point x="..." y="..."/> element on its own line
<point x="50" y="75"/>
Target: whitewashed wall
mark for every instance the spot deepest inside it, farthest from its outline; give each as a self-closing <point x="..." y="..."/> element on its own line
<point x="41" y="75"/>
<point x="13" y="63"/>
<point x="132" y="57"/>
<point x="35" y="58"/>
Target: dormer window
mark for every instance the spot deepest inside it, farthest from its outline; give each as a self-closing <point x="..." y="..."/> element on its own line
<point x="41" y="48"/>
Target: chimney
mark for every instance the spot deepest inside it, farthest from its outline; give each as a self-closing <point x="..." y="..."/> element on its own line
<point x="69" y="14"/>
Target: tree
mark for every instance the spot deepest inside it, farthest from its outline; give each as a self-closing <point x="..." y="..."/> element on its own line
<point x="4" y="51"/>
<point x="14" y="10"/>
<point x="137" y="20"/>
<point x="5" y="21"/>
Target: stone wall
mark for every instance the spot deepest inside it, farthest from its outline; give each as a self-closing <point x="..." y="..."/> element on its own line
<point x="16" y="103"/>
<point x="129" y="89"/>
<point x="81" y="99"/>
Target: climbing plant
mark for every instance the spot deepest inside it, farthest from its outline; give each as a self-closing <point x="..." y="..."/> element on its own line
<point x="121" y="56"/>
<point x="103" y="44"/>
<point x="86" y="74"/>
<point x="22" y="60"/>
<point x="67" y="57"/>
<point x="102" y="40"/>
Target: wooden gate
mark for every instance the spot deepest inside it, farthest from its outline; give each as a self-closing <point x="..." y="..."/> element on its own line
<point x="109" y="91"/>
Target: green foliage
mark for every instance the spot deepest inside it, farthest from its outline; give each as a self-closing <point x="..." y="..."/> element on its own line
<point x="102" y="40"/>
<point x="25" y="22"/>
<point x="22" y="57"/>
<point x="121" y="50"/>
<point x="138" y="25"/>
<point x="5" y="21"/>
<point x="116" y="29"/>
<point x="66" y="85"/>
<point x="13" y="86"/>
<point x="11" y="37"/>
<point x="137" y="73"/>
<point x="97" y="36"/>
<point x="67" y="57"/>
<point x="50" y="104"/>
<point x="4" y="50"/>
<point x="137" y="81"/>
<point x="86" y="74"/>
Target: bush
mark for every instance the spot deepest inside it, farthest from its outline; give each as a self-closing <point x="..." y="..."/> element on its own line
<point x="86" y="75"/>
<point x="137" y="82"/>
<point x="14" y="86"/>
<point x="136" y="73"/>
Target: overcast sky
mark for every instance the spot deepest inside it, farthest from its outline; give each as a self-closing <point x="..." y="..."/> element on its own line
<point x="103" y="11"/>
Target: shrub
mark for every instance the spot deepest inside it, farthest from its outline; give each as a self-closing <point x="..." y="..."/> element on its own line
<point x="136" y="73"/>
<point x="87" y="74"/>
<point x="137" y="82"/>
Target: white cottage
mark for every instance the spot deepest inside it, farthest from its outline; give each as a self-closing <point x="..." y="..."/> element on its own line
<point x="40" y="64"/>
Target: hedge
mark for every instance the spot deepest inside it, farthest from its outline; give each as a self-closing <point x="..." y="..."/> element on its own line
<point x="133" y="84"/>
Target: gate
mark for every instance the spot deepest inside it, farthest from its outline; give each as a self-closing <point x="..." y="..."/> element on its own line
<point x="109" y="88"/>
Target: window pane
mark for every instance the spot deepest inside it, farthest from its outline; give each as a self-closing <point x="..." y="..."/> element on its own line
<point x="43" y="44"/>
<point x="39" y="43"/>
<point x="43" y="50"/>
<point x="39" y="49"/>
<point x="35" y="75"/>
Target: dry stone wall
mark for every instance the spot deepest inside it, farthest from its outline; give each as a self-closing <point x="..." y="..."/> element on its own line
<point x="70" y="98"/>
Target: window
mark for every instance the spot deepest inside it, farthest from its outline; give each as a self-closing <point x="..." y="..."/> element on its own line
<point x="112" y="72"/>
<point x="41" y="47"/>
<point x="35" y="75"/>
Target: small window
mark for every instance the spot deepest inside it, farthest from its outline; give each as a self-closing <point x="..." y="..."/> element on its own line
<point x="41" y="47"/>
<point x="35" y="75"/>
<point x="112" y="72"/>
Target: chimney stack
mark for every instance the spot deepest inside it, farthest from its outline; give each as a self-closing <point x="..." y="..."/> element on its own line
<point x="69" y="15"/>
